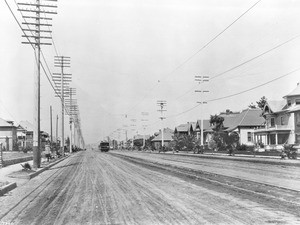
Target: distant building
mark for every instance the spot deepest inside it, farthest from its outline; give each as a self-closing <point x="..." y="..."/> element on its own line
<point x="8" y="134"/>
<point x="27" y="129"/>
<point x="206" y="130"/>
<point x="282" y="122"/>
<point x="243" y="124"/>
<point x="182" y="129"/>
<point x="167" y="135"/>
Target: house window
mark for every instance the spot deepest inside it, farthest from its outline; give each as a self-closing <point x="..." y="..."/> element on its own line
<point x="272" y="122"/>
<point x="298" y="101"/>
<point x="289" y="102"/>
<point x="249" y="135"/>
<point x="282" y="120"/>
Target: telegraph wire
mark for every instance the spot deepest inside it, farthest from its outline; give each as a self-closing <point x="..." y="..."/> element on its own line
<point x="197" y="52"/>
<point x="232" y="95"/>
<point x="245" y="62"/>
<point x="45" y="72"/>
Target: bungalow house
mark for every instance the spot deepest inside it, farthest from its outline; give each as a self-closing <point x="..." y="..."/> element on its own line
<point x="206" y="130"/>
<point x="186" y="128"/>
<point x="244" y="124"/>
<point x="167" y="136"/>
<point x="282" y="122"/>
<point x="8" y="134"/>
<point x="241" y="123"/>
<point x="182" y="129"/>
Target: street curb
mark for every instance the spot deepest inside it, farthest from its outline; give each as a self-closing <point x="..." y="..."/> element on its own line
<point x="16" y="161"/>
<point x="7" y="188"/>
<point x="185" y="169"/>
<point x="272" y="161"/>
<point x="252" y="159"/>
<point x="39" y="171"/>
<point x="32" y="175"/>
<point x="11" y="186"/>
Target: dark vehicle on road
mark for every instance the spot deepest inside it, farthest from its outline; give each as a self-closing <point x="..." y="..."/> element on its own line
<point x="104" y="146"/>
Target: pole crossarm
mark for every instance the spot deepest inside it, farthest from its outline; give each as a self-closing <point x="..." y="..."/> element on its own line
<point x="161" y="104"/>
<point x="200" y="80"/>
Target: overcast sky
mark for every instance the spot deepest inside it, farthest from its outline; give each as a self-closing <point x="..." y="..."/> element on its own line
<point x="127" y="54"/>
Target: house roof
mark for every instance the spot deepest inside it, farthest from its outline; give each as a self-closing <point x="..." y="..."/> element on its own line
<point x="276" y="106"/>
<point x="192" y="125"/>
<point x="182" y="128"/>
<point x="295" y="92"/>
<point x="206" y="124"/>
<point x="168" y="136"/>
<point x="294" y="108"/>
<point x="248" y="117"/>
<point x="140" y="136"/>
<point x="26" y="125"/>
<point x="4" y="123"/>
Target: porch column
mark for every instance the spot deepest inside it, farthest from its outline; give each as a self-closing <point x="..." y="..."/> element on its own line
<point x="265" y="137"/>
<point x="276" y="139"/>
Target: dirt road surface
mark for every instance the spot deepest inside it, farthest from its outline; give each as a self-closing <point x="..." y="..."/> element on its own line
<point x="274" y="174"/>
<point x="98" y="188"/>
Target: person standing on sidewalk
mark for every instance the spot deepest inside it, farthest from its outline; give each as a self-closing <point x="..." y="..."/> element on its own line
<point x="48" y="152"/>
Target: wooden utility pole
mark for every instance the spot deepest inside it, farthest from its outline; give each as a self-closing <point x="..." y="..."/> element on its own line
<point x="32" y="33"/>
<point x="144" y="125"/>
<point x="202" y="79"/>
<point x="51" y="137"/>
<point x="62" y="81"/>
<point x="161" y="104"/>
<point x="71" y="104"/>
<point x="56" y="136"/>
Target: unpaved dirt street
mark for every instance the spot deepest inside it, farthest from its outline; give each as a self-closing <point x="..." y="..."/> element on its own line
<point x="100" y="188"/>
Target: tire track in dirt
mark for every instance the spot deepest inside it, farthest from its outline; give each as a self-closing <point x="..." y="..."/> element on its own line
<point x="105" y="189"/>
<point x="167" y="212"/>
<point x="288" y="181"/>
<point x="290" y="171"/>
<point x="22" y="204"/>
<point x="54" y="192"/>
<point x="232" y="214"/>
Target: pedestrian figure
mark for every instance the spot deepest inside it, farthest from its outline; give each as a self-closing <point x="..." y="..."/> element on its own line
<point x="48" y="152"/>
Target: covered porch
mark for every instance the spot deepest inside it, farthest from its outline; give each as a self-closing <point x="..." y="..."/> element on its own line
<point x="273" y="139"/>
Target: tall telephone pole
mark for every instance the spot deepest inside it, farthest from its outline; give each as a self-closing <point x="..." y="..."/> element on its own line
<point x="144" y="125"/>
<point x="56" y="132"/>
<point x="161" y="104"/>
<point x="71" y="104"/>
<point x="36" y="12"/>
<point x="201" y="79"/>
<point x="62" y="81"/>
<point x="51" y="137"/>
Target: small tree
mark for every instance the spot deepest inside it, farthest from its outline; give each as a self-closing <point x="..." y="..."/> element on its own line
<point x="217" y="121"/>
<point x="262" y="102"/>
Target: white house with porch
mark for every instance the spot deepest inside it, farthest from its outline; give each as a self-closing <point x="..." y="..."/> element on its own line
<point x="282" y="124"/>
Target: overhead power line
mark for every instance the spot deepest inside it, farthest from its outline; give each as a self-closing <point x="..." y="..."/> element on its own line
<point x="245" y="62"/>
<point x="238" y="93"/>
<point x="43" y="68"/>
<point x="197" y="52"/>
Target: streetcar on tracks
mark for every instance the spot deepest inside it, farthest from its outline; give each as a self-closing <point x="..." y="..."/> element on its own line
<point x="104" y="146"/>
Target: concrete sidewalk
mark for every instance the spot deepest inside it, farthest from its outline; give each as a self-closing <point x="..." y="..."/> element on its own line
<point x="5" y="171"/>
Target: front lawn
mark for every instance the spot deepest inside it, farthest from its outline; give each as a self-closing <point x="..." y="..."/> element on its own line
<point x="15" y="155"/>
